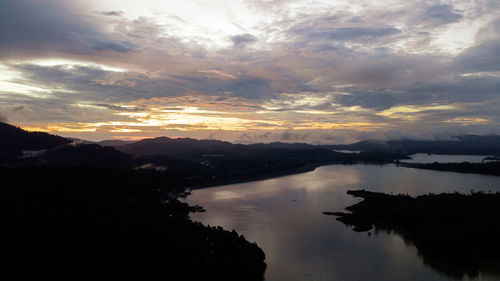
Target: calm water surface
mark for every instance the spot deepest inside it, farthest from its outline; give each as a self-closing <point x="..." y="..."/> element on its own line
<point x="283" y="215"/>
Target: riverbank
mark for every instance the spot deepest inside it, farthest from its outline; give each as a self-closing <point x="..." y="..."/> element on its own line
<point x="455" y="233"/>
<point x="304" y="169"/>
<point x="488" y="168"/>
<point x="222" y="182"/>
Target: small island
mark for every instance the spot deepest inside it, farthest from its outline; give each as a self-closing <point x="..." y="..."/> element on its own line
<point x="454" y="233"/>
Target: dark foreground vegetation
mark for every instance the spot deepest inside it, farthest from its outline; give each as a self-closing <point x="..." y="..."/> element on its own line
<point x="83" y="223"/>
<point x="488" y="168"/>
<point x="455" y="234"/>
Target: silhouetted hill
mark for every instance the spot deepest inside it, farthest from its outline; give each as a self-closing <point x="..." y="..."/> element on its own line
<point x="113" y="142"/>
<point x="181" y="147"/>
<point x="465" y="144"/>
<point x="192" y="148"/>
<point x="14" y="140"/>
<point x="89" y="155"/>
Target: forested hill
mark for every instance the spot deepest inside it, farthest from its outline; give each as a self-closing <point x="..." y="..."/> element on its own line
<point x="13" y="140"/>
<point x="464" y="144"/>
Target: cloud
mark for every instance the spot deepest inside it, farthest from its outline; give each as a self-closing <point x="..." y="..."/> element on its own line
<point x="460" y="90"/>
<point x="379" y="100"/>
<point x="123" y="47"/>
<point x="440" y="14"/>
<point x="344" y="33"/>
<point x="3" y="118"/>
<point x="484" y="57"/>
<point x="38" y="27"/>
<point x="112" y="13"/>
<point x="18" y="108"/>
<point x="243" y="40"/>
<point x="297" y="65"/>
<point x="290" y="135"/>
<point x="251" y="88"/>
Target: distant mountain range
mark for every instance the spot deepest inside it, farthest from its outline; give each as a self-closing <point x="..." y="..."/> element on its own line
<point x="181" y="147"/>
<point x="15" y="140"/>
<point x="464" y="144"/>
<point x="214" y="160"/>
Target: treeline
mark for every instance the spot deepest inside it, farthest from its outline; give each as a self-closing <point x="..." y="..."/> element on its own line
<point x="456" y="234"/>
<point x="87" y="223"/>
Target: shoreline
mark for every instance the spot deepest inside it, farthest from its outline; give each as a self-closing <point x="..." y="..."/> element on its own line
<point x="489" y="169"/>
<point x="223" y="182"/>
<point x="455" y="234"/>
<point x="304" y="169"/>
<point x="312" y="167"/>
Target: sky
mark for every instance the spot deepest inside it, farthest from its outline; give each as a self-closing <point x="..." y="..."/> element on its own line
<point x="251" y="71"/>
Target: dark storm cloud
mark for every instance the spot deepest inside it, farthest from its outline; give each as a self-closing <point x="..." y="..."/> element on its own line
<point x="440" y="14"/>
<point x="243" y="40"/>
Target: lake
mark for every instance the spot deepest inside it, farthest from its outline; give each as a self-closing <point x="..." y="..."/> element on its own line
<point x="283" y="215"/>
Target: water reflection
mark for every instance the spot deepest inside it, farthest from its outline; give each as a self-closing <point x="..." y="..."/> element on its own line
<point x="283" y="215"/>
<point x="453" y="264"/>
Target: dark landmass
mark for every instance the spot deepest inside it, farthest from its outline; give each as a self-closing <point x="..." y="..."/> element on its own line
<point x="455" y="234"/>
<point x="465" y="144"/>
<point x="487" y="168"/>
<point x="78" y="210"/>
<point x="13" y="140"/>
<point x="72" y="210"/>
<point x="224" y="162"/>
<point x="87" y="223"/>
<point x="181" y="147"/>
<point x="186" y="147"/>
<point x="201" y="162"/>
<point x="113" y="143"/>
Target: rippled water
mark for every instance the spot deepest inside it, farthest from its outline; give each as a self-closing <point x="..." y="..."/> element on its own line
<point x="283" y="215"/>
